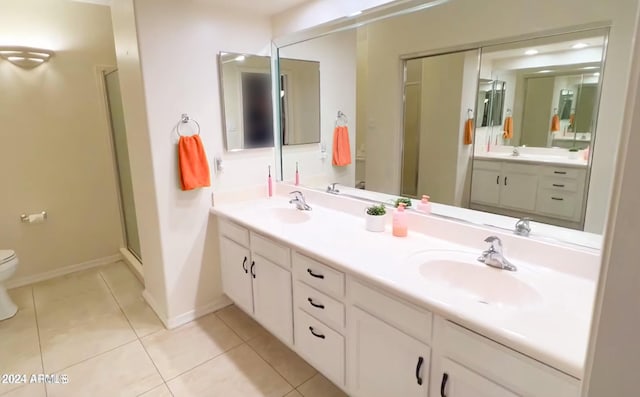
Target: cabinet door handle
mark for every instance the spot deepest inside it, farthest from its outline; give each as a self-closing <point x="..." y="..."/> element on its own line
<point x="418" y="367"/>
<point x="557" y="185"/>
<point x="244" y="265"/>
<point x="560" y="172"/>
<point x="314" y="274"/>
<point x="443" y="384"/>
<point x="314" y="333"/>
<point x="557" y="198"/>
<point x="253" y="265"/>
<point x="505" y="181"/>
<point x="315" y="304"/>
<point x="498" y="180"/>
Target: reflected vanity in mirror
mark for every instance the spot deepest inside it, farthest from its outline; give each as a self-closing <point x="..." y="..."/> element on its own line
<point x="409" y="108"/>
<point x="245" y="82"/>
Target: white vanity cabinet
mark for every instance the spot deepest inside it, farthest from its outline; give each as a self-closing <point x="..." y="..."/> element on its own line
<point x="549" y="192"/>
<point x="256" y="276"/>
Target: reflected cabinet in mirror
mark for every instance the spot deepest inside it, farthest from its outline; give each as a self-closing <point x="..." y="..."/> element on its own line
<point x="492" y="133"/>
<point x="245" y="82"/>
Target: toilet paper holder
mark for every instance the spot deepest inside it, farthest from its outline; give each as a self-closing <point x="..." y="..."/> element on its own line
<point x="26" y="218"/>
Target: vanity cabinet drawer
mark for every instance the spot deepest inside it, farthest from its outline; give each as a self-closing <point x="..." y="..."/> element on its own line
<point x="562" y="172"/>
<point x="508" y="368"/>
<point x="275" y="252"/>
<point x="408" y="318"/>
<point x="487" y="165"/>
<point x="320" y="345"/>
<point x="561" y="184"/>
<point x="233" y="231"/>
<point x="318" y="275"/>
<point x="559" y="204"/>
<point x="319" y="305"/>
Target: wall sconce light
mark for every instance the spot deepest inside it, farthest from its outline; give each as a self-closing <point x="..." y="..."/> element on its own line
<point x="25" y="57"/>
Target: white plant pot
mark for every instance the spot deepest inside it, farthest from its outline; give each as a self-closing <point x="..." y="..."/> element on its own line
<point x="376" y="223"/>
<point x="573" y="155"/>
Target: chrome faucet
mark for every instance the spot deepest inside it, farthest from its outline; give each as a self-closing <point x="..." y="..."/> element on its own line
<point x="493" y="256"/>
<point x="515" y="152"/>
<point x="299" y="201"/>
<point x="522" y="227"/>
<point x="332" y="188"/>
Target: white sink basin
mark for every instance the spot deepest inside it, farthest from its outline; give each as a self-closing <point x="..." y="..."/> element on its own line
<point x="462" y="273"/>
<point x="290" y="215"/>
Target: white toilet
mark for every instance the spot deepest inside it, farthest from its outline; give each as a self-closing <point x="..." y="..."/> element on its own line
<point x="8" y="265"/>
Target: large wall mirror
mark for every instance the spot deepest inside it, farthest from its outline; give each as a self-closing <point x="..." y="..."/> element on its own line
<point x="245" y="82"/>
<point x="493" y="132"/>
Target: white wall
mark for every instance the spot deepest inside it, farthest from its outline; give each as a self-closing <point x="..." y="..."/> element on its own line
<point x="337" y="56"/>
<point x="56" y="152"/>
<point x="178" y="42"/>
<point x="521" y="18"/>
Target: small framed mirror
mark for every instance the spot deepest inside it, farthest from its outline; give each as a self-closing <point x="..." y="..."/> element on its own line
<point x="247" y="107"/>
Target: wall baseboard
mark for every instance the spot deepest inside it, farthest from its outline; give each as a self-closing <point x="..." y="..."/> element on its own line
<point x="134" y="264"/>
<point x="22" y="281"/>
<point x="181" y="319"/>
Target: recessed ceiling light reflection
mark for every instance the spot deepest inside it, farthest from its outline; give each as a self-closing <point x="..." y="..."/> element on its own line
<point x="596" y="74"/>
<point x="240" y="58"/>
<point x="579" y="46"/>
<point x="531" y="52"/>
<point x="545" y="71"/>
<point x="590" y="67"/>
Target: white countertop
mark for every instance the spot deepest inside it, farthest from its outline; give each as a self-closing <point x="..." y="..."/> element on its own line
<point x="553" y="330"/>
<point x="534" y="158"/>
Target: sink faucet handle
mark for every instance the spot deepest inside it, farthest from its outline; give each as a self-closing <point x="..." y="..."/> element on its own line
<point x="523" y="228"/>
<point x="496" y="244"/>
<point x="297" y="193"/>
<point x="332" y="188"/>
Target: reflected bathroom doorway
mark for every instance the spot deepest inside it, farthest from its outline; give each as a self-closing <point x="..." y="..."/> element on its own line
<point x="119" y="135"/>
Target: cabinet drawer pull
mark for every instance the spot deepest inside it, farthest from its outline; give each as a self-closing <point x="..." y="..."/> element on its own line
<point x="253" y="265"/>
<point x="443" y="384"/>
<point x="418" y="367"/>
<point x="498" y="180"/>
<point x="314" y="333"/>
<point x="244" y="265"/>
<point x="315" y="304"/>
<point x="560" y="172"/>
<point x="315" y="275"/>
<point x="557" y="185"/>
<point x="505" y="181"/>
<point x="557" y="198"/>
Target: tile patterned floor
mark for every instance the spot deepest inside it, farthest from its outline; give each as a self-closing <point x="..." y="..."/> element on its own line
<point x="94" y="327"/>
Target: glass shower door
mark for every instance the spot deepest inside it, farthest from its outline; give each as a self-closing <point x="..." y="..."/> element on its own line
<point x="119" y="132"/>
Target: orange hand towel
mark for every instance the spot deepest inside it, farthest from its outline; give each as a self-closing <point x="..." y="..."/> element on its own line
<point x="555" y="123"/>
<point x="507" y="132"/>
<point x="194" y="168"/>
<point x="341" y="146"/>
<point x="468" y="132"/>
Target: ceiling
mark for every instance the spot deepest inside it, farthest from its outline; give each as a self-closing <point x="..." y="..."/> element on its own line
<point x="259" y="7"/>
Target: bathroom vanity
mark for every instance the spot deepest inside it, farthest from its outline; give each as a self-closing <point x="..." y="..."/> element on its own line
<point x="415" y="316"/>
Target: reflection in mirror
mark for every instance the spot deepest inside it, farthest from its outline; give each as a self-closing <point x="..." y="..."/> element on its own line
<point x="408" y="115"/>
<point x="300" y="101"/>
<point x="246" y="100"/>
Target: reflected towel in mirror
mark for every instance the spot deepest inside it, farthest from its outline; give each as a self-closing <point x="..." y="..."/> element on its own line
<point x="555" y="123"/>
<point x="468" y="131"/>
<point x="192" y="159"/>
<point x="341" y="146"/>
<point x="507" y="132"/>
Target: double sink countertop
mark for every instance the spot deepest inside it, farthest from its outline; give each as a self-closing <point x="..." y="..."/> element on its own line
<point x="534" y="159"/>
<point x="541" y="310"/>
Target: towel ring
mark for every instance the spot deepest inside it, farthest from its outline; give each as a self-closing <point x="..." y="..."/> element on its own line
<point x="184" y="120"/>
<point x="341" y="118"/>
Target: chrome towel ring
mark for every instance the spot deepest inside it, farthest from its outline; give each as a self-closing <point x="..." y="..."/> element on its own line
<point x="184" y="120"/>
<point x="341" y="119"/>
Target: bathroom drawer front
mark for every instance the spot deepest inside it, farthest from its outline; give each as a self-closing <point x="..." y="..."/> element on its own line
<point x="408" y="318"/>
<point x="560" y="184"/>
<point x="276" y="253"/>
<point x="318" y="275"/>
<point x="487" y="165"/>
<point x="562" y="172"/>
<point x="234" y="232"/>
<point x="319" y="305"/>
<point x="320" y="345"/>
<point x="558" y="204"/>
<point x="508" y="368"/>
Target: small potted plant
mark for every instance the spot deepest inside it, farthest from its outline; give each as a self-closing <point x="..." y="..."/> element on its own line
<point x="376" y="218"/>
<point x="402" y="200"/>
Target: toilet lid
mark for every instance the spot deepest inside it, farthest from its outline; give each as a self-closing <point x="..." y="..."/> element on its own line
<point x="6" y="256"/>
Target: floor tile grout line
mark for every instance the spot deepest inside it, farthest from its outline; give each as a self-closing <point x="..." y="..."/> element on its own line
<point x="35" y="315"/>
<point x="138" y="338"/>
<point x="272" y="367"/>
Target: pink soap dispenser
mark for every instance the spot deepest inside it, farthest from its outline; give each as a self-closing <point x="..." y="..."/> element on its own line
<point x="297" y="175"/>
<point x="424" y="205"/>
<point x="270" y="183"/>
<point x="400" y="222"/>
